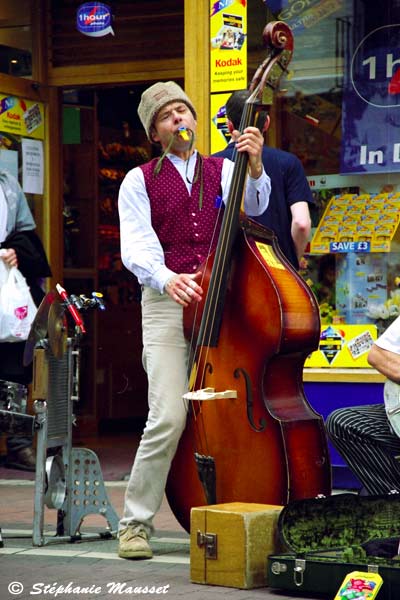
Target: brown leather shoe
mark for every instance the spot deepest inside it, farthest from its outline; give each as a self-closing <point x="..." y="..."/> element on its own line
<point x="23" y="459"/>
<point x="133" y="543"/>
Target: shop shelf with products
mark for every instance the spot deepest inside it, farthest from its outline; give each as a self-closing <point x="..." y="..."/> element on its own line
<point x="354" y="269"/>
<point x="113" y="383"/>
<point x="121" y="381"/>
<point x="80" y="224"/>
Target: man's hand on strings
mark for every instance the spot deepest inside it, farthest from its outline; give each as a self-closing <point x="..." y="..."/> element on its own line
<point x="183" y="288"/>
<point x="251" y="141"/>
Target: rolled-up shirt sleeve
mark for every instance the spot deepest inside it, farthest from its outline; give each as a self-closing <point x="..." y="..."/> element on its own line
<point x="256" y="198"/>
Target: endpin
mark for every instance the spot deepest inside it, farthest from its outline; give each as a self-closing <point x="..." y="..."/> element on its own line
<point x="183" y="132"/>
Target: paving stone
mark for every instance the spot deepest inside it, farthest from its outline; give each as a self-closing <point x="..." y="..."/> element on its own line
<point x="93" y="565"/>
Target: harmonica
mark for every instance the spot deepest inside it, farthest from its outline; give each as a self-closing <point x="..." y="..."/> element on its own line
<point x="184" y="134"/>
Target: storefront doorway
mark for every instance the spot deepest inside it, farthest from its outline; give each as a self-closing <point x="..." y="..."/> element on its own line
<point x="102" y="140"/>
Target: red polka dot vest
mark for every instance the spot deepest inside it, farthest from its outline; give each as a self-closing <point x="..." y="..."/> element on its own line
<point x="184" y="230"/>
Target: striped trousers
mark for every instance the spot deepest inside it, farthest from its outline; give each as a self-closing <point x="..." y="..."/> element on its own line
<point x="363" y="437"/>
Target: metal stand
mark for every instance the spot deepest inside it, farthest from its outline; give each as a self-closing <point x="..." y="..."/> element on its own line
<point x="69" y="479"/>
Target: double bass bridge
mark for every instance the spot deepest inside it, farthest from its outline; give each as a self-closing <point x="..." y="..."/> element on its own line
<point x="209" y="393"/>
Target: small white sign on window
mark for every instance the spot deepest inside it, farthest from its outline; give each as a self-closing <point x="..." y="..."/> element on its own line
<point x="32" y="166"/>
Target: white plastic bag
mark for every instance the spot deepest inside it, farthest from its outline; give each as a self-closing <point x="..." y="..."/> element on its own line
<point x="17" y="308"/>
<point x="3" y="270"/>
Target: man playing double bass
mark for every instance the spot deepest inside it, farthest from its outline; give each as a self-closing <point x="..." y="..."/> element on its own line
<point x="170" y="217"/>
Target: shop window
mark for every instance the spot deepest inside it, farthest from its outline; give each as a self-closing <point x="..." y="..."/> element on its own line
<point x="339" y="114"/>
<point x="16" y="39"/>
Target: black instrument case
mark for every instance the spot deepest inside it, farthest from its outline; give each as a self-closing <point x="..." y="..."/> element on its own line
<point x="326" y="538"/>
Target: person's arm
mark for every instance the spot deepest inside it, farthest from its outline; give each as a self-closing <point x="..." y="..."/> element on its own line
<point x="257" y="193"/>
<point x="300" y="227"/>
<point x="19" y="215"/>
<point x="385" y="361"/>
<point x="141" y="251"/>
<point x="258" y="184"/>
<point x="298" y="198"/>
<point x="31" y="256"/>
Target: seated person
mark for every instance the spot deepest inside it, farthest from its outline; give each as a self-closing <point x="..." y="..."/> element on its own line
<point x="363" y="435"/>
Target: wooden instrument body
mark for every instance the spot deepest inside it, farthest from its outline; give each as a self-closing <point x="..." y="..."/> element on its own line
<point x="268" y="445"/>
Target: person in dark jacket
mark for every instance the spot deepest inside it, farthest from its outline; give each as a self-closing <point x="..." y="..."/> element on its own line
<point x="288" y="212"/>
<point x="21" y="247"/>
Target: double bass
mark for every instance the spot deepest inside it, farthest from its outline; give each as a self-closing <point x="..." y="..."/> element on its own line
<point x="251" y="435"/>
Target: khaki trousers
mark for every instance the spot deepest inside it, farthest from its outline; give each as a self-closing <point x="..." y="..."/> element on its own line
<point x="165" y="356"/>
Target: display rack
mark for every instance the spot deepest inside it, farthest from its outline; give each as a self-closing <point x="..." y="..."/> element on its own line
<point x="122" y="384"/>
<point x="359" y="223"/>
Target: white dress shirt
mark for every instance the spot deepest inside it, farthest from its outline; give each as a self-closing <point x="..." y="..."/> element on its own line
<point x="141" y="251"/>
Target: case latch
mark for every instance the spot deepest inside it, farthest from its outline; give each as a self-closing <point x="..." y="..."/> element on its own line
<point x="277" y="567"/>
<point x="209" y="541"/>
<point x="298" y="571"/>
<point x="373" y="568"/>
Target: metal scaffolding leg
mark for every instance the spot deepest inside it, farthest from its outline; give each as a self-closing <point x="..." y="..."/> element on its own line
<point x="40" y="408"/>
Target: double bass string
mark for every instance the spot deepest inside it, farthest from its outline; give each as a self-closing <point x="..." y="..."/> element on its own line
<point x="230" y="226"/>
<point x="224" y="473"/>
<point x="195" y="357"/>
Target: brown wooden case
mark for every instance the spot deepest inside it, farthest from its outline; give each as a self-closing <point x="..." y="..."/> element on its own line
<point x="229" y="543"/>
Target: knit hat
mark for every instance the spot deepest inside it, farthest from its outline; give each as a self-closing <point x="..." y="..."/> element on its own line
<point x="157" y="96"/>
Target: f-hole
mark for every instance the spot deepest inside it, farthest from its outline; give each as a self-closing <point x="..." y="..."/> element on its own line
<point x="249" y="401"/>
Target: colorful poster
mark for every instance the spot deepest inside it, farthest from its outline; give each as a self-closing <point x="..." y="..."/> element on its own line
<point x="21" y="117"/>
<point x="228" y="53"/>
<point x="361" y="283"/>
<point x="220" y="135"/>
<point x="343" y="346"/>
<point x="371" y="104"/>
